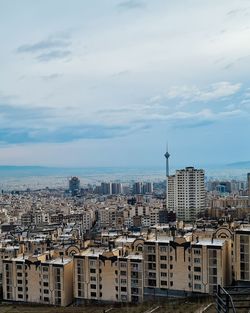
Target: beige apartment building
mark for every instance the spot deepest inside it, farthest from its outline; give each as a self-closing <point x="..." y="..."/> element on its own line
<point x="242" y="254"/>
<point x="180" y="266"/>
<point x="108" y="275"/>
<point x="38" y="279"/>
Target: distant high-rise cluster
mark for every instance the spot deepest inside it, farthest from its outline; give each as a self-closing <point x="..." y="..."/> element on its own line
<point x="142" y="188"/>
<point x="109" y="188"/>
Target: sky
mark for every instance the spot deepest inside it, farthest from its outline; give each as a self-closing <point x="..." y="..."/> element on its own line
<point x="110" y="82"/>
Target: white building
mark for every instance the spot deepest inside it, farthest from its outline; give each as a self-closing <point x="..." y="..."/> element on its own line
<point x="186" y="193"/>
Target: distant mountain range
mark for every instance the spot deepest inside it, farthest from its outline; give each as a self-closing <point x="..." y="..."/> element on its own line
<point x="244" y="164"/>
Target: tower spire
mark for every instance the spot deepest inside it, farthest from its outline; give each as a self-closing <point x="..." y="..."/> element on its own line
<point x="167" y="156"/>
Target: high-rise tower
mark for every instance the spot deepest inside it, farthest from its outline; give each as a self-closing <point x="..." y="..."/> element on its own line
<point x="186" y="193"/>
<point x="167" y="156"/>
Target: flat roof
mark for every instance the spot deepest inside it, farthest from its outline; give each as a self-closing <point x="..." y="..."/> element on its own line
<point x="209" y="242"/>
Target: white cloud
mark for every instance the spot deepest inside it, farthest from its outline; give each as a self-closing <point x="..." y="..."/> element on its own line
<point x="213" y="92"/>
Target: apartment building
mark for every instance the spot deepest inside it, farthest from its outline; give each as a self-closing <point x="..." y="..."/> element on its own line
<point x="107" y="217"/>
<point x="242" y="255"/>
<point x="38" y="279"/>
<point x="186" y="193"/>
<point x="180" y="266"/>
<point x="108" y="275"/>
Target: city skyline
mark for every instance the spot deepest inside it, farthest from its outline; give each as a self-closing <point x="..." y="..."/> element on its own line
<point x="106" y="84"/>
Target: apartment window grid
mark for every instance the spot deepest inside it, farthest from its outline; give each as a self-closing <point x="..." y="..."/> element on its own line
<point x="8" y="274"/>
<point x="212" y="270"/>
<point x="58" y="285"/>
<point x="244" y="257"/>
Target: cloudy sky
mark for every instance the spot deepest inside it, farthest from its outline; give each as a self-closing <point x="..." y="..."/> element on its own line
<point x="108" y="82"/>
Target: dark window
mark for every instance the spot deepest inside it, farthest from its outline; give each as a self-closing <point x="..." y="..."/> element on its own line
<point x="152" y="282"/>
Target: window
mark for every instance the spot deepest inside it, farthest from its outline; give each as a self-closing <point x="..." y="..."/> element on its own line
<point x="20" y="288"/>
<point x="151" y="258"/>
<point x="197" y="269"/>
<point x="197" y="286"/>
<point x="123" y="273"/>
<point x="20" y="296"/>
<point x="46" y="299"/>
<point x="46" y="284"/>
<point x="46" y="291"/>
<point x="164" y="266"/>
<point x="197" y="260"/>
<point x="122" y="264"/>
<point x="163" y="274"/>
<point x="197" y="277"/>
<point x="45" y="269"/>
<point x="92" y="278"/>
<point x="19" y="267"/>
<point x="19" y="281"/>
<point x="151" y="266"/>
<point x="92" y="286"/>
<point x="213" y="271"/>
<point x="92" y="263"/>
<point x="93" y="294"/>
<point x="152" y="282"/>
<point x="123" y="289"/>
<point x="164" y="282"/>
<point x="163" y="257"/>
<point x="197" y="251"/>
<point x="151" y="249"/>
<point x="92" y="270"/>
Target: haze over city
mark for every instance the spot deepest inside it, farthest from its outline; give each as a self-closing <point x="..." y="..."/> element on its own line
<point x="107" y="83"/>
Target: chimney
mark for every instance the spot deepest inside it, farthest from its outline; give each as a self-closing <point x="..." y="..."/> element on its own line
<point x="61" y="253"/>
<point x="197" y="239"/>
